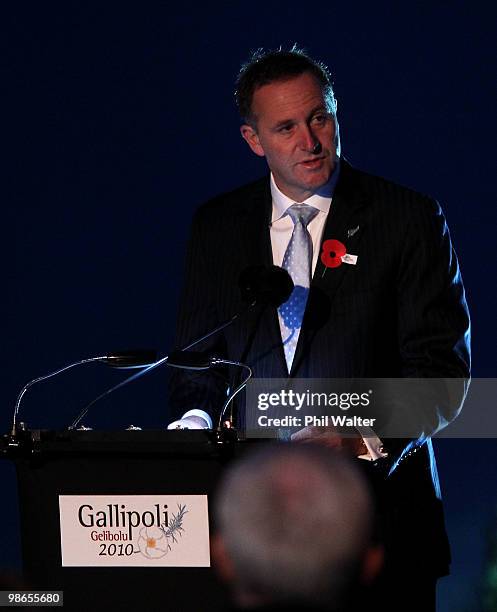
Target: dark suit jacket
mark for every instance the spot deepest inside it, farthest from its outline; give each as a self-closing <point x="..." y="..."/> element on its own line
<point x="399" y="312"/>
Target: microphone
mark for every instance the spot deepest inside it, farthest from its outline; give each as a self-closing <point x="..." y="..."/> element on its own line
<point x="136" y="358"/>
<point x="190" y="360"/>
<point x="265" y="284"/>
<point x="258" y="285"/>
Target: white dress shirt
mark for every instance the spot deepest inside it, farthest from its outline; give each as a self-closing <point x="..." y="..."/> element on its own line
<point x="282" y="225"/>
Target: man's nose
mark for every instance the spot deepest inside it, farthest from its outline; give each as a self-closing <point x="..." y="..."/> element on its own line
<point x="309" y="142"/>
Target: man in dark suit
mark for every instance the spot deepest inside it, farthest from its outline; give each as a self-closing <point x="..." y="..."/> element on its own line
<point x="393" y="307"/>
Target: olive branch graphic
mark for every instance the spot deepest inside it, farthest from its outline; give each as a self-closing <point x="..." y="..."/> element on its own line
<point x="175" y="527"/>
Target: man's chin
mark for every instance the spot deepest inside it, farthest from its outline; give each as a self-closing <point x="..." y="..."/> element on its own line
<point x="314" y="180"/>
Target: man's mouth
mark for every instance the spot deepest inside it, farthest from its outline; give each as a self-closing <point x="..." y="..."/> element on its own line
<point x="312" y="163"/>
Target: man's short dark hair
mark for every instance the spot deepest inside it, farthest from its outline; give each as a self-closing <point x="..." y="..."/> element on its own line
<point x="265" y="67"/>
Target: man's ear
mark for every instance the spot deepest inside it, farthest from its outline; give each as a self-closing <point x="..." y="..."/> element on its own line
<point x="252" y="139"/>
<point x="372" y="564"/>
<point x="336" y="140"/>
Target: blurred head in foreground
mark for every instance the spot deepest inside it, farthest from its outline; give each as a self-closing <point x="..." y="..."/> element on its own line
<point x="294" y="526"/>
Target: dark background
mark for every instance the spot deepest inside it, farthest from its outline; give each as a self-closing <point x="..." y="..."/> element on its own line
<point x="120" y="120"/>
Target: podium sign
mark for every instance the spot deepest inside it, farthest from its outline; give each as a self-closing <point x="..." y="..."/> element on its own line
<point x="134" y="530"/>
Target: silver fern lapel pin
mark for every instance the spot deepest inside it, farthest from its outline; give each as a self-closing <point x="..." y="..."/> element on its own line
<point x="352" y="231"/>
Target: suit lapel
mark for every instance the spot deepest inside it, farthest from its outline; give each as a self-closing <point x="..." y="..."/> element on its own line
<point x="344" y="224"/>
<point x="252" y="222"/>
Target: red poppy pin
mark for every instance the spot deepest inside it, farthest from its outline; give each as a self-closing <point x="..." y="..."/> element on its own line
<point x="332" y="253"/>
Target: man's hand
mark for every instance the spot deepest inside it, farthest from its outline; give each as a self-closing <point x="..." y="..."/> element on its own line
<point x="329" y="436"/>
<point x="193" y="419"/>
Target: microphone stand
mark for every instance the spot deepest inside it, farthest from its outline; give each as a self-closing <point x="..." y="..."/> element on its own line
<point x="123" y="359"/>
<point x="257" y="285"/>
<point x="163" y="360"/>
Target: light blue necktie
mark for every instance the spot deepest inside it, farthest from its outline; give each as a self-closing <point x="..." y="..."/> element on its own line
<point x="297" y="261"/>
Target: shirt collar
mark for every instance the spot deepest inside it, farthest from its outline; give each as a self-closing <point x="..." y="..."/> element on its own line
<point x="320" y="200"/>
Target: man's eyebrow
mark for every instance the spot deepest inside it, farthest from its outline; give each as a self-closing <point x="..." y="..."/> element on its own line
<point x="321" y="108"/>
<point x="283" y="122"/>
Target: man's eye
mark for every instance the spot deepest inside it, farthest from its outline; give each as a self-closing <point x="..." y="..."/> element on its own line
<point x="319" y="119"/>
<point x="284" y="129"/>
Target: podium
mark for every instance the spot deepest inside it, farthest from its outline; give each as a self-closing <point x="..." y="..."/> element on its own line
<point x="88" y="463"/>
